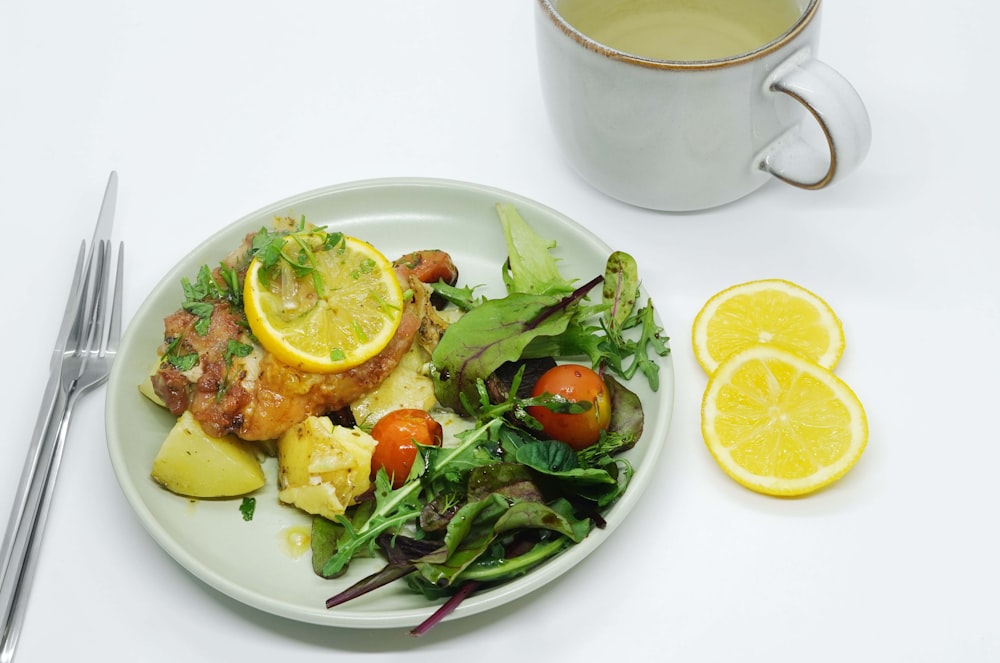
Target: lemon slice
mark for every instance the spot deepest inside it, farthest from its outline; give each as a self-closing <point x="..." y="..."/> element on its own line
<point x="780" y="424"/>
<point x="339" y="311"/>
<point x="771" y="311"/>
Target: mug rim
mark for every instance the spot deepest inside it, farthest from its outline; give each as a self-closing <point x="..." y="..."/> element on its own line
<point x="805" y="18"/>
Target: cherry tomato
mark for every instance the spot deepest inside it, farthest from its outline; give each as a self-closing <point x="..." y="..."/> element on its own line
<point x="574" y="383"/>
<point x="398" y="433"/>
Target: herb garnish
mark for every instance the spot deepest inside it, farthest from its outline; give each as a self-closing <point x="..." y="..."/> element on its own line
<point x="184" y="362"/>
<point x="247" y="507"/>
<point x="200" y="296"/>
<point x="295" y="251"/>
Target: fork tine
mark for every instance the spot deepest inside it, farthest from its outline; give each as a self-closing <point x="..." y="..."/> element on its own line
<point x="79" y="331"/>
<point x="115" y="325"/>
<point x="73" y="304"/>
<point x="102" y="268"/>
<point x="85" y="333"/>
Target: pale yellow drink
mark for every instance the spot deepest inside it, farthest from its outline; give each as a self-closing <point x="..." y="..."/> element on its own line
<point x="681" y="30"/>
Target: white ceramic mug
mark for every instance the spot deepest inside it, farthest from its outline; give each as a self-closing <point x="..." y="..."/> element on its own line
<point x="687" y="135"/>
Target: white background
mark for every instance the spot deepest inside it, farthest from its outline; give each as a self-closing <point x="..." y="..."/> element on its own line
<point x="209" y="111"/>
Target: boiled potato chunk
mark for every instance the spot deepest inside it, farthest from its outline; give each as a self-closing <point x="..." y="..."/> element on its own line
<point x="322" y="467"/>
<point x="146" y="386"/>
<point x="193" y="463"/>
<point x="408" y="386"/>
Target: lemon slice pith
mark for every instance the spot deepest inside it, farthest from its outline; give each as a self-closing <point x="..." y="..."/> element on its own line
<point x="779" y="424"/>
<point x="336" y="317"/>
<point x="771" y="311"/>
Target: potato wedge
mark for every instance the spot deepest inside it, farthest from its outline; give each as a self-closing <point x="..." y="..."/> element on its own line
<point x="408" y="386"/>
<point x="192" y="463"/>
<point x="146" y="386"/>
<point x="322" y="467"/>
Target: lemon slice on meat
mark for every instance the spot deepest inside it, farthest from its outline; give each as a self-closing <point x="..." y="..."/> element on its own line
<point x="323" y="311"/>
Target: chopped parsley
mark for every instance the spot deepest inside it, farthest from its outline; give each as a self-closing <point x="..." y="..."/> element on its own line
<point x="200" y="295"/>
<point x="181" y="362"/>
<point x="297" y="250"/>
<point x="247" y="507"/>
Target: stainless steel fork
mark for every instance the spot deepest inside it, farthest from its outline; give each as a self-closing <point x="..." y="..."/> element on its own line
<point x="85" y="348"/>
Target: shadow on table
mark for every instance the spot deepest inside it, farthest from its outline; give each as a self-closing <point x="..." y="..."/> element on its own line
<point x="374" y="640"/>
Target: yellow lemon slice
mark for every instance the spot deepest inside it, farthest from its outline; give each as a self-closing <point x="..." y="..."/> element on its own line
<point x="771" y="311"/>
<point x="780" y="424"/>
<point x="321" y="309"/>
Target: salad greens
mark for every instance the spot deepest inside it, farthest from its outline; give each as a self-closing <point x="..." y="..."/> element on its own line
<point x="503" y="499"/>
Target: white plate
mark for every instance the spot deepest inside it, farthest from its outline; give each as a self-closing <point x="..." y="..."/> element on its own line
<point x="249" y="561"/>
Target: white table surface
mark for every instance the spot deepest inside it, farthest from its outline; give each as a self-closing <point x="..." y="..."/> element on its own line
<point x="209" y="111"/>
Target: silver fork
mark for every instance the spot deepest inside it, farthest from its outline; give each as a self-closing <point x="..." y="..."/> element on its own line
<point x="85" y="349"/>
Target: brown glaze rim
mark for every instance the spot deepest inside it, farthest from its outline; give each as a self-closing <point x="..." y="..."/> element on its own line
<point x="680" y="65"/>
<point x="832" y="170"/>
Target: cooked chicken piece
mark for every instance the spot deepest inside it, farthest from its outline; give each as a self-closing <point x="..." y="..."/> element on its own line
<point x="257" y="397"/>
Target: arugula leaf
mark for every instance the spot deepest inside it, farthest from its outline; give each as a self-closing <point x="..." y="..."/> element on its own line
<point x="621" y="291"/>
<point x="393" y="510"/>
<point x="626" y="356"/>
<point x="610" y="345"/>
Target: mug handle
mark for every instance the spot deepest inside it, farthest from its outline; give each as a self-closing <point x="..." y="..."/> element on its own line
<point x="842" y="117"/>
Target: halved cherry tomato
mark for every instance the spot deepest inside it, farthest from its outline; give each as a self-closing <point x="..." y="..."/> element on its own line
<point x="398" y="433"/>
<point x="574" y="383"/>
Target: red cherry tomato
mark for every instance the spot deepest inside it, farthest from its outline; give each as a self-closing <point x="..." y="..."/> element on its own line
<point x="574" y="383"/>
<point x="398" y="433"/>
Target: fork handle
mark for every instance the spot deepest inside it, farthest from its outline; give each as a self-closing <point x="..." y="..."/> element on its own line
<point x="31" y="505"/>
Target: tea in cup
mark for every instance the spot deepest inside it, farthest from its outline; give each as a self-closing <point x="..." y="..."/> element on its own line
<point x="682" y="105"/>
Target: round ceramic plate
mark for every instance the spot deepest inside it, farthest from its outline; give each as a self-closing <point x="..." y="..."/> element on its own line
<point x="251" y="561"/>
